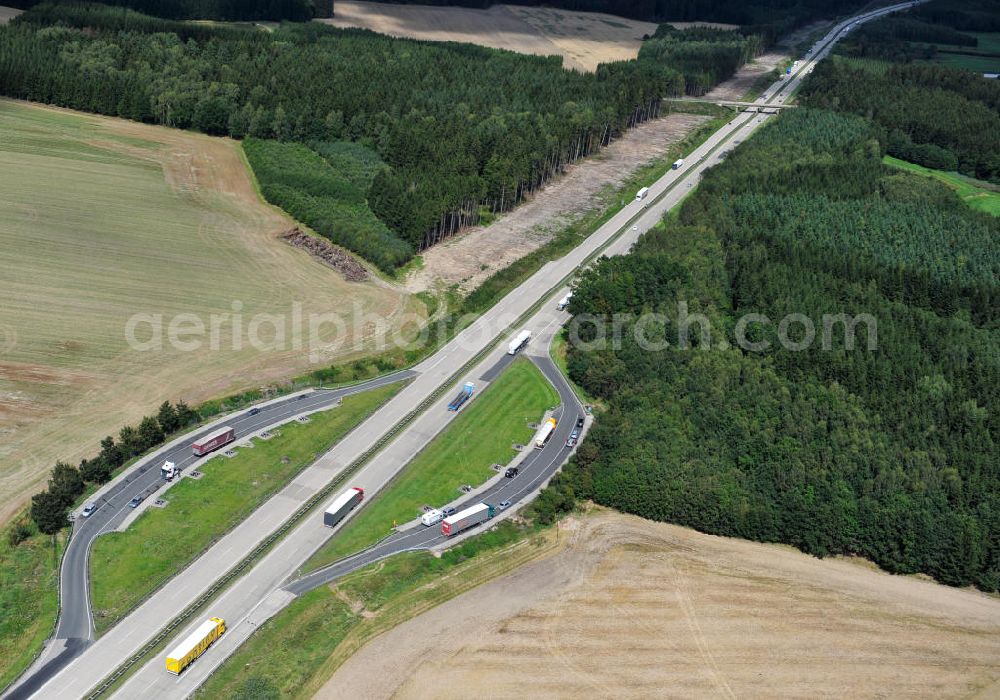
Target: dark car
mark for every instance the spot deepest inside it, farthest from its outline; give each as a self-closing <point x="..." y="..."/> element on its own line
<point x="579" y="421"/>
<point x="134" y="503"/>
<point x="511" y="472"/>
<point x="447" y="512"/>
<point x="303" y="396"/>
<point x="254" y="411"/>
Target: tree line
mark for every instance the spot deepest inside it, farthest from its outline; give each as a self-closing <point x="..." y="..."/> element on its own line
<point x="49" y="508"/>
<point x="890" y="454"/>
<point x="461" y="126"/>
<point x="225" y="10"/>
<point x="771" y="18"/>
<point x="935" y="116"/>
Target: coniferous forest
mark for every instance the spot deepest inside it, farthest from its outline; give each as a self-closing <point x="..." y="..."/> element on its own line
<point x="889" y="453"/>
<point x="460" y="127"/>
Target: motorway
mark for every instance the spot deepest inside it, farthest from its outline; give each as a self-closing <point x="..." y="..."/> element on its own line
<point x="75" y="628"/>
<point x="264" y="589"/>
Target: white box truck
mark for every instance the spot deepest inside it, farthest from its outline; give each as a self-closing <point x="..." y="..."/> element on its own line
<point x="342" y="505"/>
<point x="641" y="194"/>
<point x="564" y="302"/>
<point x="677" y="163"/>
<point x="519" y="341"/>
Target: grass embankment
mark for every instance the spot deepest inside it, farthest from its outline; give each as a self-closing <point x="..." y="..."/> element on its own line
<point x="127" y="566"/>
<point x="296" y="652"/>
<point x="29" y="596"/>
<point x="977" y="196"/>
<point x="481" y="436"/>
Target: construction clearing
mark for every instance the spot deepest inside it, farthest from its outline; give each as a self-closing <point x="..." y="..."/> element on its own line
<point x="628" y="608"/>
<point x="101" y="219"/>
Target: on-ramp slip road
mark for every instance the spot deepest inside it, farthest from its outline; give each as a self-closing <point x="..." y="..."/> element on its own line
<point x="262" y="589"/>
<point x="75" y="628"/>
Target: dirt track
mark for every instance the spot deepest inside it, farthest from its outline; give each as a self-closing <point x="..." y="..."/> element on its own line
<point x="631" y="608"/>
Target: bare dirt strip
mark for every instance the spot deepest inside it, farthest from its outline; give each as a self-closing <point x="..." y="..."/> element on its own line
<point x="628" y="608"/>
<point x="468" y="259"/>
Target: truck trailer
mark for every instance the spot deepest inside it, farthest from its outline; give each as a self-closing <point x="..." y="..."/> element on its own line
<point x="464" y="395"/>
<point x="342" y="505"/>
<point x="677" y="163"/>
<point x="519" y="341"/>
<point x="464" y="519"/>
<point x="544" y="433"/>
<point x="213" y="441"/>
<point x="169" y="470"/>
<point x="195" y="644"/>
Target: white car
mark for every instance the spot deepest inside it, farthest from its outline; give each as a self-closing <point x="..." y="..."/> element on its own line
<point x="88" y="510"/>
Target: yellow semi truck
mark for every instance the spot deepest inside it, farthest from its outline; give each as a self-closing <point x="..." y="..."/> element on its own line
<point x="195" y="644"/>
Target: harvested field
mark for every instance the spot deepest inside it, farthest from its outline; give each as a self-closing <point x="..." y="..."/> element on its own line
<point x="583" y="39"/>
<point x="101" y="219"/>
<point x="8" y="13"/>
<point x="630" y="608"/>
<point x="468" y="259"/>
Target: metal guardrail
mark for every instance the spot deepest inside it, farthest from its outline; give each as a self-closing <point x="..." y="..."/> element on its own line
<point x="366" y="456"/>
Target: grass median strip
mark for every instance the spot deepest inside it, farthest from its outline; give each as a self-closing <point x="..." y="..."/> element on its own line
<point x="127" y="566"/>
<point x="482" y="435"/>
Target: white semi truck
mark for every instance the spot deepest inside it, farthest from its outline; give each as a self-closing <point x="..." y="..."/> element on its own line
<point x="342" y="505"/>
<point x="169" y="470"/>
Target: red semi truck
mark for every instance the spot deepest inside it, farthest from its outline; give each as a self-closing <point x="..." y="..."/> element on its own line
<point x="213" y="441"/>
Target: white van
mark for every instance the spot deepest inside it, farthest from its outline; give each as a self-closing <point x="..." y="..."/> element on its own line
<point x="432" y="517"/>
<point x="641" y="194"/>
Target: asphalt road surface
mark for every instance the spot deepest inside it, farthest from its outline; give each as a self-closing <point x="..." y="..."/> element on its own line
<point x="259" y="592"/>
<point x="75" y="629"/>
<point x="534" y="471"/>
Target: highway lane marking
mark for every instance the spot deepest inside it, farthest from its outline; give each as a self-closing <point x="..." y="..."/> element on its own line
<point x="847" y="25"/>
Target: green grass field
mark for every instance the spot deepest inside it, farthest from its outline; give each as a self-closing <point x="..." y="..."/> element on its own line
<point x="29" y="598"/>
<point x="481" y="436"/>
<point x="976" y="196"/>
<point x="127" y="566"/>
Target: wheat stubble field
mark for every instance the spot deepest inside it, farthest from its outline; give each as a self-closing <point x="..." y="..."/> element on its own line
<point x="101" y="218"/>
<point x="629" y="608"/>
